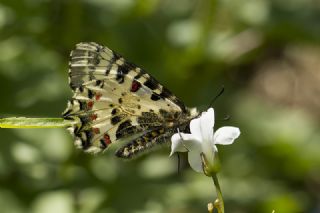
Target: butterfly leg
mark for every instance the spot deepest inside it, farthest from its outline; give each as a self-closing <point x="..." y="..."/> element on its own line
<point x="182" y="139"/>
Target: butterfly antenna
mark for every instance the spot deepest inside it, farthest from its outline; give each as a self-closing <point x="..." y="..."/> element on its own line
<point x="216" y="97"/>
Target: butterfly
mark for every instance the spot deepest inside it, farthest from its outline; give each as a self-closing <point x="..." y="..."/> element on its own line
<point x="114" y="100"/>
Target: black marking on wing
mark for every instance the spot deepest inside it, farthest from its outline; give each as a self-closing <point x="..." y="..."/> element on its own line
<point x="151" y="83"/>
<point x="121" y="72"/>
<point x="148" y="119"/>
<point x="139" y="74"/>
<point x="115" y="120"/>
<point x="155" y="97"/>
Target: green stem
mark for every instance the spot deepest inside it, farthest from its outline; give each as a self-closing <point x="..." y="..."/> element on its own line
<point x="219" y="204"/>
<point x="22" y="122"/>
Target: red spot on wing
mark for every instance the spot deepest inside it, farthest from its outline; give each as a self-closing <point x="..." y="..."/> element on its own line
<point x="106" y="138"/>
<point x="90" y="104"/>
<point x="98" y="96"/>
<point x="135" y="86"/>
<point x="96" y="130"/>
<point x="93" y="117"/>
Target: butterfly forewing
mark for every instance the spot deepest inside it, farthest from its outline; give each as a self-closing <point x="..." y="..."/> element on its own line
<point x="115" y="100"/>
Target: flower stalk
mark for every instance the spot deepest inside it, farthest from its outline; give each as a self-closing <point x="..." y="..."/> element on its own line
<point x="218" y="204"/>
<point x="211" y="171"/>
<point x="22" y="122"/>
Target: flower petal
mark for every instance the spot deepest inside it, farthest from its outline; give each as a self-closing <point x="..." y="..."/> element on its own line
<point x="226" y="135"/>
<point x="206" y="125"/>
<point x="176" y="144"/>
<point x="181" y="142"/>
<point x="206" y="128"/>
<point x="194" y="159"/>
<point x="195" y="128"/>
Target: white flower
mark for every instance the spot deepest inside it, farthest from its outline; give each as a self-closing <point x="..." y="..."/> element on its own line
<point x="203" y="140"/>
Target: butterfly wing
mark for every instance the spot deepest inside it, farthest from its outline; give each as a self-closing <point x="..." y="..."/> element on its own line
<point x="115" y="100"/>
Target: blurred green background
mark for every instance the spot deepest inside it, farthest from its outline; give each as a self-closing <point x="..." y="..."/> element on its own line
<point x="265" y="52"/>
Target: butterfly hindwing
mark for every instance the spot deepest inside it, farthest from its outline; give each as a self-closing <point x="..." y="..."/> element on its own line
<point x="115" y="100"/>
<point x="145" y="142"/>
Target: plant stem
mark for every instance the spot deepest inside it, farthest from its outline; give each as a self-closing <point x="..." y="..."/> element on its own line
<point x="22" y="122"/>
<point x="219" y="204"/>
